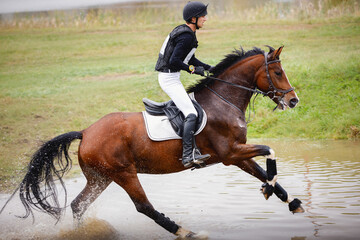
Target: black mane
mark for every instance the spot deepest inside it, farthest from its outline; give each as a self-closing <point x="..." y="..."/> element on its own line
<point x="228" y="61"/>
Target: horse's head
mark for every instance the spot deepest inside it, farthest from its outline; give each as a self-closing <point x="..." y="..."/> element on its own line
<point x="271" y="79"/>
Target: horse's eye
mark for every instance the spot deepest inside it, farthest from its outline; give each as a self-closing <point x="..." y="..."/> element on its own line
<point x="278" y="73"/>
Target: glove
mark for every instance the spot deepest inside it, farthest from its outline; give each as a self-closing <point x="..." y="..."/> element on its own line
<point x="211" y="69"/>
<point x="199" y="70"/>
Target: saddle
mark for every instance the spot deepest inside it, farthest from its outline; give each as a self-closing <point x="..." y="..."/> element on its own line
<point x="174" y="115"/>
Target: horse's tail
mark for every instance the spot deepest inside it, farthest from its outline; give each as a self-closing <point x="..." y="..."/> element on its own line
<point x="38" y="189"/>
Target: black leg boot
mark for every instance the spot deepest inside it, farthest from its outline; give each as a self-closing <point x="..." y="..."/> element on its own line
<point x="191" y="157"/>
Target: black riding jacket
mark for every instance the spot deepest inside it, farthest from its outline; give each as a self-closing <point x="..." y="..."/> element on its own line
<point x="177" y="52"/>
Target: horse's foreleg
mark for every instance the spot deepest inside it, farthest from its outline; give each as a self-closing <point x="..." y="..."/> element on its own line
<point x="94" y="187"/>
<point x="251" y="167"/>
<point x="246" y="151"/>
<point x="131" y="184"/>
<point x="242" y="152"/>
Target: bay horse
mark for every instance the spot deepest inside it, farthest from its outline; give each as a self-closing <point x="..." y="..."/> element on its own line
<point x="117" y="148"/>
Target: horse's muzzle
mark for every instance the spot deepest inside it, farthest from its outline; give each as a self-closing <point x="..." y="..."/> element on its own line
<point x="293" y="102"/>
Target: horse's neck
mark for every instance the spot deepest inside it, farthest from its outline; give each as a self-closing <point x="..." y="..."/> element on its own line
<point x="241" y="74"/>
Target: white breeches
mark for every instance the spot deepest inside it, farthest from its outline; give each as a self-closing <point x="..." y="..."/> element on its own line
<point x="172" y="86"/>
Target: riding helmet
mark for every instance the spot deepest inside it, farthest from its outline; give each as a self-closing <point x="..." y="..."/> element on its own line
<point x="194" y="9"/>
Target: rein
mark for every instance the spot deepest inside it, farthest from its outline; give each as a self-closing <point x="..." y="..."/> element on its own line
<point x="233" y="105"/>
<point x="271" y="93"/>
<point x="238" y="86"/>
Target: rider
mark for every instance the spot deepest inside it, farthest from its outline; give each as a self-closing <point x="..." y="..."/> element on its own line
<point x="177" y="53"/>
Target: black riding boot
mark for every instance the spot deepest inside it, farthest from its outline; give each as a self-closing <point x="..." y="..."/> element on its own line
<point x="191" y="156"/>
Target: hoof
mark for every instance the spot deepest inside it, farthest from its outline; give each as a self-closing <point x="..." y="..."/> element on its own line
<point x="267" y="190"/>
<point x="188" y="235"/>
<point x="77" y="222"/>
<point x="295" y="206"/>
<point x="300" y="209"/>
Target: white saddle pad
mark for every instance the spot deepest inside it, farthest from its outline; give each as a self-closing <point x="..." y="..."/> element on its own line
<point x="159" y="128"/>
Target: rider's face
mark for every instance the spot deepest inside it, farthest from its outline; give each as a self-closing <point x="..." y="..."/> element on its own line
<point x="201" y="21"/>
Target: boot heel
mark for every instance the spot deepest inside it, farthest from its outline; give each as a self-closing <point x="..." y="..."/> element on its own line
<point x="187" y="162"/>
<point x="199" y="158"/>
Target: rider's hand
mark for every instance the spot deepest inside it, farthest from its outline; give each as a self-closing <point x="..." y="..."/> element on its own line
<point x="199" y="70"/>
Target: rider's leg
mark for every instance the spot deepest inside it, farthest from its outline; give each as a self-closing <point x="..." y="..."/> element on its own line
<point x="172" y="86"/>
<point x="190" y="156"/>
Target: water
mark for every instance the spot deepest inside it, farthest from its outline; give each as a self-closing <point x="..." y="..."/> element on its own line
<point x="225" y="202"/>
<point x="66" y="10"/>
<point x="11" y="6"/>
<point x="107" y="12"/>
<point x="42" y="13"/>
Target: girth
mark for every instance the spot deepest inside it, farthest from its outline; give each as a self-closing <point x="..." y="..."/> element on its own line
<point x="175" y="116"/>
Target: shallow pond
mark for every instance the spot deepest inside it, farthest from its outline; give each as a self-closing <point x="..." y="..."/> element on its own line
<point x="224" y="202"/>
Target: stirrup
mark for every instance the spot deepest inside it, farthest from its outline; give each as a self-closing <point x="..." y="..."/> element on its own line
<point x="196" y="162"/>
<point x="204" y="157"/>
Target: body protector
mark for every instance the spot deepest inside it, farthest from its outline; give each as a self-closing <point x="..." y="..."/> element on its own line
<point x="169" y="45"/>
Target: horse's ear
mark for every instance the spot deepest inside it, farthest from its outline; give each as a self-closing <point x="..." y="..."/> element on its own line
<point x="277" y="52"/>
<point x="271" y="49"/>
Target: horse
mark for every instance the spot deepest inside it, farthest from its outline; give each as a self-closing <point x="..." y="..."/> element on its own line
<point x="116" y="148"/>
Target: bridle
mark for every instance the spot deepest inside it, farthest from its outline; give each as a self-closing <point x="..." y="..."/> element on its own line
<point x="272" y="89"/>
<point x="271" y="93"/>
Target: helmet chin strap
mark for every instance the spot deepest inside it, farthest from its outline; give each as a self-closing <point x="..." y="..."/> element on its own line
<point x="196" y="23"/>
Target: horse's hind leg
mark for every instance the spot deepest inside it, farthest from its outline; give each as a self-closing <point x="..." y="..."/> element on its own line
<point x="95" y="185"/>
<point x="251" y="167"/>
<point x="130" y="183"/>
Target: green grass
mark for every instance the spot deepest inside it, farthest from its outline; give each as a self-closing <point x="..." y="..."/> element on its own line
<point x="59" y="79"/>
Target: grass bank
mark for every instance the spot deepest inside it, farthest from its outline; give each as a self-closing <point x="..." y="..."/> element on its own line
<point x="55" y="79"/>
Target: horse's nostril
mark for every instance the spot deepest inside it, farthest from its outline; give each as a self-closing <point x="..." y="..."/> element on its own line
<point x="293" y="102"/>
